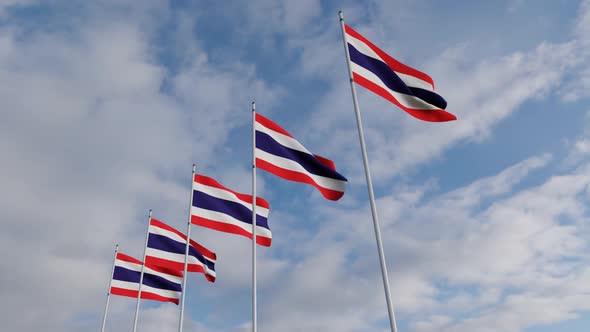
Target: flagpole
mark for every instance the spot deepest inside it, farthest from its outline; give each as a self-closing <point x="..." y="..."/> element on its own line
<point x="147" y="234"/>
<point x="369" y="183"/>
<point x="106" y="306"/>
<point x="188" y="240"/>
<point x="254" y="319"/>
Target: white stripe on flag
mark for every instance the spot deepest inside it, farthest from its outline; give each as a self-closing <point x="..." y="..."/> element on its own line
<point x="128" y="265"/>
<point x="406" y="100"/>
<point x="133" y="286"/>
<point x="288" y="164"/>
<point x="169" y="277"/>
<point x="166" y="233"/>
<point x="408" y="79"/>
<point x="162" y="292"/>
<point x="284" y="140"/>
<point x="137" y="268"/>
<point x="179" y="258"/>
<point x="227" y="219"/>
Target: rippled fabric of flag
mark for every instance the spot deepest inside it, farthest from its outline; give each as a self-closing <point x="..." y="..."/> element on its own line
<point x="217" y="207"/>
<point x="166" y="248"/>
<point x="277" y="152"/>
<point x="406" y="87"/>
<point x="159" y="284"/>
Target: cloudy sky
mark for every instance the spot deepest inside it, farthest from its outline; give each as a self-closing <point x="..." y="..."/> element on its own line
<point x="105" y="105"/>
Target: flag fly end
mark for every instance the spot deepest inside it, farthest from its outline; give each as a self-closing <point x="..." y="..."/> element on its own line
<point x="404" y="86"/>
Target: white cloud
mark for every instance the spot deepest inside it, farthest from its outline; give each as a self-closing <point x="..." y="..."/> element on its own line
<point x="579" y="149"/>
<point x="90" y="139"/>
<point x="90" y="142"/>
<point x="578" y="87"/>
<point x="460" y="266"/>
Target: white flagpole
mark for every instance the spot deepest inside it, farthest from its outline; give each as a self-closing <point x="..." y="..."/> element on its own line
<point x="106" y="306"/>
<point x="147" y="234"/>
<point x="369" y="183"/>
<point x="254" y="319"/>
<point x="188" y="240"/>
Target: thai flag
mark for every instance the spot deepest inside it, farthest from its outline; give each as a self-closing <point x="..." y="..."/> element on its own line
<point x="277" y="152"/>
<point x="166" y="248"/>
<point x="159" y="284"/>
<point x="219" y="208"/>
<point x="408" y="88"/>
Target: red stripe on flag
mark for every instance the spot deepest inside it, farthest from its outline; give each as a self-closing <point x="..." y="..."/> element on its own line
<point x="144" y="295"/>
<point x="155" y="297"/>
<point x="155" y="261"/>
<point x="326" y="162"/>
<point x="125" y="258"/>
<point x="228" y="228"/>
<point x="298" y="177"/>
<point x="436" y="115"/>
<point x="391" y="62"/>
<point x="271" y="125"/>
<point x="124" y="292"/>
<point x="204" y="251"/>
<point x="172" y="272"/>
<point x="205" y="180"/>
<point x="159" y="224"/>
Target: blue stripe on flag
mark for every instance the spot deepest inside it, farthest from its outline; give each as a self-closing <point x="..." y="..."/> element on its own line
<point x="309" y="162"/>
<point x="391" y="80"/>
<point x="236" y="210"/>
<point x="164" y="243"/>
<point x="151" y="280"/>
<point x="124" y="274"/>
<point x="160" y="283"/>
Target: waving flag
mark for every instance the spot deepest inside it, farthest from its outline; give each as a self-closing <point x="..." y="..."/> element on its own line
<point x="277" y="152"/>
<point x="406" y="87"/>
<point x="166" y="248"/>
<point x="159" y="284"/>
<point x="219" y="208"/>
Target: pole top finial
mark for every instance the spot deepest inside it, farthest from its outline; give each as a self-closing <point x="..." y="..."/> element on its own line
<point x="340" y="15"/>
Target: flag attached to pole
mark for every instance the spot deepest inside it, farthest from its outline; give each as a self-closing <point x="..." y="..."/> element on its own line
<point x="277" y="152"/>
<point x="166" y="248"/>
<point x="159" y="284"/>
<point x="406" y="87"/>
<point x="217" y="207"/>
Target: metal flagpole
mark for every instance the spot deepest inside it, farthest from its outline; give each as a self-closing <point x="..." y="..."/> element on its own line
<point x="369" y="183"/>
<point x="106" y="306"/>
<point x="188" y="240"/>
<point x="254" y="319"/>
<point x="147" y="234"/>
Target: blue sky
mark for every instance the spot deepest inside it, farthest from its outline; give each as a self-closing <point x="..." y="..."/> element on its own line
<point x="105" y="105"/>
